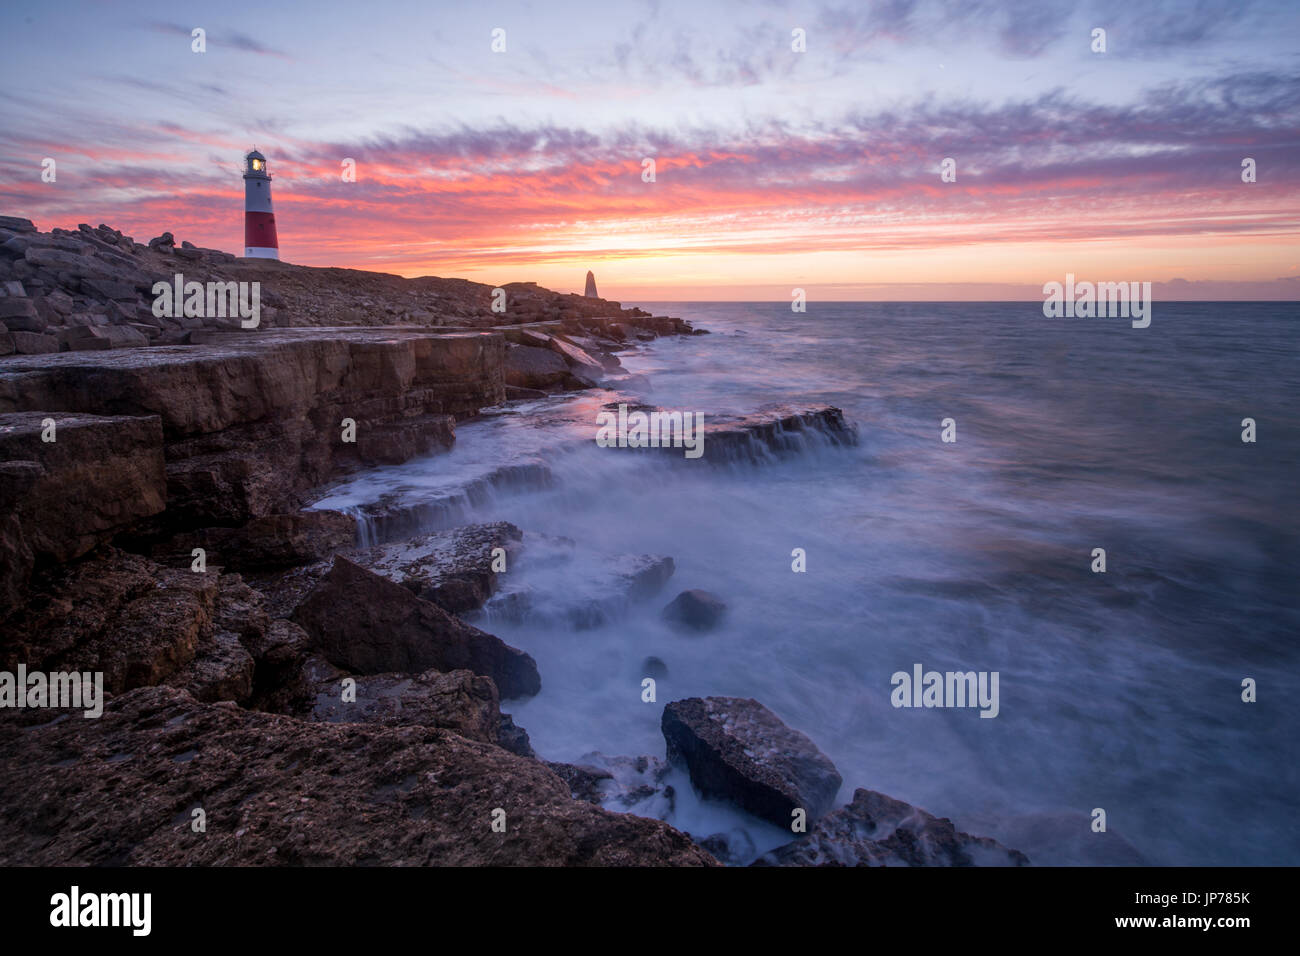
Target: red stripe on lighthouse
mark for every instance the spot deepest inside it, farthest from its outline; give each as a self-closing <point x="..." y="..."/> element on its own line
<point x="259" y="230"/>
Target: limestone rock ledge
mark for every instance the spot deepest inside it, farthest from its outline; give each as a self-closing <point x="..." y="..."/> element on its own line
<point x="69" y="486"/>
<point x="278" y="790"/>
<point x="241" y="429"/>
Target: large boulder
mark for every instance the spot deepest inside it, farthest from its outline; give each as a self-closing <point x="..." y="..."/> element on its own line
<point x="126" y="337"/>
<point x="876" y="830"/>
<point x="33" y="343"/>
<point x="278" y="790"/>
<point x="696" y="610"/>
<point x="20" y="315"/>
<point x="81" y="266"/>
<point x="736" y="749"/>
<point x="365" y="623"/>
<point x="84" y="338"/>
<point x="579" y="360"/>
<point x="529" y="367"/>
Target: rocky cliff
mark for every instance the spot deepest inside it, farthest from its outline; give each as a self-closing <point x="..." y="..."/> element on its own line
<point x="91" y="289"/>
<point x="146" y="453"/>
<point x="120" y="421"/>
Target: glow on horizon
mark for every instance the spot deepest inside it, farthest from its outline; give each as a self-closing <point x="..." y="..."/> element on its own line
<point x="775" y="170"/>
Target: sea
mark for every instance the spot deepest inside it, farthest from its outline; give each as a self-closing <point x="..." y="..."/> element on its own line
<point x="1163" y="691"/>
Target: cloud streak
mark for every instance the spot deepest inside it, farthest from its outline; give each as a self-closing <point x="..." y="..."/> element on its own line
<point x="1030" y="172"/>
<point x="216" y="40"/>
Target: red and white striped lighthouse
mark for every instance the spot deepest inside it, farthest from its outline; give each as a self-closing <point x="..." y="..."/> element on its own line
<point x="259" y="220"/>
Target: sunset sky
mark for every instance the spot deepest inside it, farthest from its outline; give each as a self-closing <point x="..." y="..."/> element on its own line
<point x="775" y="169"/>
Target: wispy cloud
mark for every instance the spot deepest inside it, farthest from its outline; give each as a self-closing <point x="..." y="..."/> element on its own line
<point x="216" y="40"/>
<point x="469" y="160"/>
<point x="1168" y="165"/>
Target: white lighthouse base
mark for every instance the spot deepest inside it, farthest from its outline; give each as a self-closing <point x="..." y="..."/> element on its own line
<point x="261" y="252"/>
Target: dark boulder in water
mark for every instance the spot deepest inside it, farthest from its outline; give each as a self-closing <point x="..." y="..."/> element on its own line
<point x="736" y="749"/>
<point x="876" y="830"/>
<point x="654" y="667"/>
<point x="696" y="610"/>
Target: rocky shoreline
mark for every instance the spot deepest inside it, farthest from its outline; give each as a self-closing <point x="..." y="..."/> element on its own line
<point x="315" y="686"/>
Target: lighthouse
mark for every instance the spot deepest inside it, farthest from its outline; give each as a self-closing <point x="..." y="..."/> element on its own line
<point x="259" y="220"/>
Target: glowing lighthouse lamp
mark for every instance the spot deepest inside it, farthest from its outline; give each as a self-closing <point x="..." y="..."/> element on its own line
<point x="259" y="220"/>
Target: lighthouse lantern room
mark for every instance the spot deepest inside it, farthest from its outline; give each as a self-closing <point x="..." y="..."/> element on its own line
<point x="259" y="221"/>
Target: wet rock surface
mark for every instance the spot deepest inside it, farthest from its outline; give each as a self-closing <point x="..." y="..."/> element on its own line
<point x="876" y="830"/>
<point x="775" y="432"/>
<point x="627" y="784"/>
<point x="451" y="568"/>
<point x="771" y="433"/>
<point x="736" y="749"/>
<point x="401" y="515"/>
<point x="735" y="847"/>
<point x="546" y="590"/>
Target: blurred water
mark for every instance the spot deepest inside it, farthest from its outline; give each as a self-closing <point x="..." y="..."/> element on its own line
<point x="1118" y="690"/>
